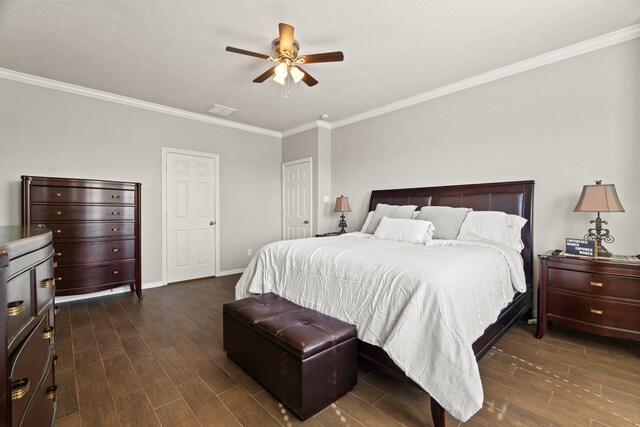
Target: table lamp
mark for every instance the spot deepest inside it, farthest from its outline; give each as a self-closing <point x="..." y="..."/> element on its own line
<point x="599" y="198"/>
<point x="342" y="206"/>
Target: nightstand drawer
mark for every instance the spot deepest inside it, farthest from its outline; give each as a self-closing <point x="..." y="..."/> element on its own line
<point x="594" y="284"/>
<point x="594" y="311"/>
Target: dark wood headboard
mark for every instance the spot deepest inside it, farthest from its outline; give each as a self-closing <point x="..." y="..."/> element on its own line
<point x="510" y="197"/>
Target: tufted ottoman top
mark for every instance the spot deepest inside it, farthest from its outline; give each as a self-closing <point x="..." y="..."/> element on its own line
<point x="301" y="331"/>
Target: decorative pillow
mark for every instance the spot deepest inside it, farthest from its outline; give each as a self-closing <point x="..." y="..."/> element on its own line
<point x="446" y="220"/>
<point x="496" y="226"/>
<point x="404" y="230"/>
<point x="366" y="222"/>
<point x="390" y="211"/>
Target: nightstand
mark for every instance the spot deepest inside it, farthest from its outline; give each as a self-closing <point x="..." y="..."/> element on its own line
<point x="593" y="295"/>
<point x="329" y="234"/>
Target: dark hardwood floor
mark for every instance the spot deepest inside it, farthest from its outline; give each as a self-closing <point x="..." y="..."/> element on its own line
<point x="159" y="362"/>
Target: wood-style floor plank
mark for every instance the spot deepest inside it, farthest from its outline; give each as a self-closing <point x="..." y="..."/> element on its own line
<point x="159" y="361"/>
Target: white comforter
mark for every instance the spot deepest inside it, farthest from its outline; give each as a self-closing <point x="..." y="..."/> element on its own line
<point x="424" y="305"/>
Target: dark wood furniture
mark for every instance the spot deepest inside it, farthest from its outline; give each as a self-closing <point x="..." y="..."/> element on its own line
<point x="27" y="390"/>
<point x="329" y="234"/>
<point x="511" y="197"/>
<point x="96" y="231"/>
<point x="593" y="295"/>
<point x="305" y="358"/>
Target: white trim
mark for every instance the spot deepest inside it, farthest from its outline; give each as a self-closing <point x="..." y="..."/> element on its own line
<point x="132" y="102"/>
<point x="216" y="159"/>
<point x="606" y="40"/>
<point x="291" y="163"/>
<point x="230" y="272"/>
<point x="119" y="290"/>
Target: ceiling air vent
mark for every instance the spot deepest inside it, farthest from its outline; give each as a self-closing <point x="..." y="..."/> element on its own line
<point x="222" y="110"/>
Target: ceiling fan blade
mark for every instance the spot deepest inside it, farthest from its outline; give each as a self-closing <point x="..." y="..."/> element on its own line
<point x="310" y="81"/>
<point x="322" y="57"/>
<point x="286" y="37"/>
<point x="246" y="52"/>
<point x="264" y="76"/>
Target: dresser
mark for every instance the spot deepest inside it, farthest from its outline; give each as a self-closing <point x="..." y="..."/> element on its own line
<point x="593" y="295"/>
<point x="27" y="285"/>
<point x="96" y="231"/>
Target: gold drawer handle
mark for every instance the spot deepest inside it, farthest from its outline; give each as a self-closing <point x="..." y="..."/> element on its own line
<point x="51" y="392"/>
<point x="57" y="194"/>
<point x="115" y="250"/>
<point x="41" y="226"/>
<point x="594" y="311"/>
<point x="115" y="213"/>
<point x="15" y="307"/>
<point x="57" y="212"/>
<point x="115" y="196"/>
<point x="596" y="284"/>
<point x="116" y="272"/>
<point x="115" y="229"/>
<point x="56" y="309"/>
<point x="57" y="231"/>
<point x="58" y="254"/>
<point x="55" y="359"/>
<point x="48" y="283"/>
<point x="58" y="279"/>
<point x="48" y="333"/>
<point x="20" y="388"/>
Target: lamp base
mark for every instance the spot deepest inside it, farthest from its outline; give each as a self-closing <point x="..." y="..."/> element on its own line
<point x="602" y="251"/>
<point x="342" y="224"/>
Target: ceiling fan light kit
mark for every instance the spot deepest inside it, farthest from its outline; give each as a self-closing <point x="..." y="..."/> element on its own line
<point x="285" y="52"/>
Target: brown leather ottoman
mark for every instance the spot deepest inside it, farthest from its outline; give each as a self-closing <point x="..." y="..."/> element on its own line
<point x="303" y="357"/>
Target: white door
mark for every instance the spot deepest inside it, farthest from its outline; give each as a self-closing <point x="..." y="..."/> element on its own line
<point x="191" y="222"/>
<point x="296" y="199"/>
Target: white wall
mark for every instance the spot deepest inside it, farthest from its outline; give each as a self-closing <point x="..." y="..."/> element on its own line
<point x="563" y="125"/>
<point x="52" y="133"/>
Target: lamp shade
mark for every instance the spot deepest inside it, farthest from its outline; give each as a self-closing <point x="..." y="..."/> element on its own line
<point x="599" y="198"/>
<point x="342" y="204"/>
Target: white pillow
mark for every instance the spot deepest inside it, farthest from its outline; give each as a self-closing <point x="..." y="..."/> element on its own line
<point x="415" y="214"/>
<point x="366" y="222"/>
<point x="404" y="230"/>
<point x="496" y="226"/>
<point x="390" y="211"/>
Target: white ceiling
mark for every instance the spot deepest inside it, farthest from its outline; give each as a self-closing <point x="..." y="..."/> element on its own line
<point x="171" y="52"/>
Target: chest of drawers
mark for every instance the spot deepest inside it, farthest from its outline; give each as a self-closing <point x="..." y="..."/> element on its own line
<point x="27" y="390"/>
<point x="96" y="231"/>
<point x="596" y="296"/>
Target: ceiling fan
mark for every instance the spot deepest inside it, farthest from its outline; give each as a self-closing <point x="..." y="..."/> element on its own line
<point x="285" y="52"/>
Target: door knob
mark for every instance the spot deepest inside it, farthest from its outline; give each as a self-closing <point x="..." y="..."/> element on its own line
<point x="306" y="221"/>
<point x="212" y="222"/>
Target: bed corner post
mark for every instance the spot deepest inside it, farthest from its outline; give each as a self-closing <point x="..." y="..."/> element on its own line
<point x="437" y="413"/>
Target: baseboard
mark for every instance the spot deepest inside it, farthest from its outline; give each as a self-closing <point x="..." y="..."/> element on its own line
<point x="230" y="272"/>
<point x="118" y="290"/>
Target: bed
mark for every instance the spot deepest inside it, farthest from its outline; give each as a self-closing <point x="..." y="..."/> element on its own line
<point x="329" y="275"/>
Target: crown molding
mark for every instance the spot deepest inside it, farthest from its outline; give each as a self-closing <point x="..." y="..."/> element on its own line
<point x="606" y="40"/>
<point x="132" y="102"/>
<point x="306" y="126"/>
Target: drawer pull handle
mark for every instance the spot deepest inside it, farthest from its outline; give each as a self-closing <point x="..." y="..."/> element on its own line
<point x="57" y="212"/>
<point x="59" y="279"/>
<point x="15" y="307"/>
<point x="57" y="231"/>
<point x="115" y="229"/>
<point x="115" y="213"/>
<point x="115" y="196"/>
<point x="20" y="388"/>
<point x="115" y="250"/>
<point x="596" y="284"/>
<point x="116" y="272"/>
<point x="56" y="309"/>
<point x="55" y="359"/>
<point x="57" y="194"/>
<point x="58" y="254"/>
<point x="41" y="226"/>
<point x="51" y="392"/>
<point x="594" y="311"/>
<point x="48" y="333"/>
<point x="48" y="283"/>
